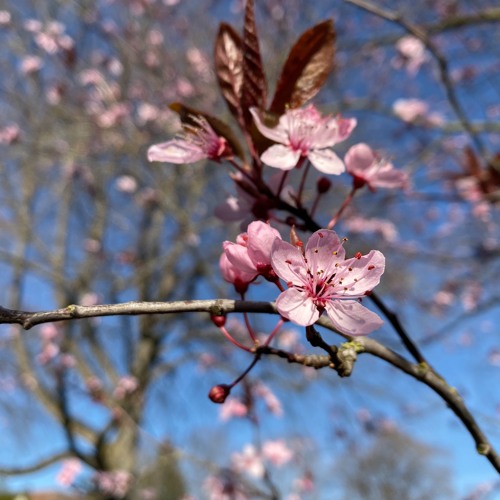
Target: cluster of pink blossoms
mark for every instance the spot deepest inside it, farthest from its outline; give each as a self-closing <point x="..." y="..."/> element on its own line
<point x="300" y="133"/>
<point x="319" y="277"/>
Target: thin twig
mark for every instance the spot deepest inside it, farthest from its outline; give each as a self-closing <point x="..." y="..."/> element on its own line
<point x="422" y="35"/>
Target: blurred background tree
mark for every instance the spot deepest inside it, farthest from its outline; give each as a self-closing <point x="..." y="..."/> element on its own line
<point x="86" y="219"/>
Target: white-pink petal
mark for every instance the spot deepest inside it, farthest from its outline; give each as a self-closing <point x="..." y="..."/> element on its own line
<point x="326" y="161"/>
<point x="280" y="156"/>
<point x="359" y="158"/>
<point x="389" y="178"/>
<point x="175" y="151"/>
<point x="362" y="275"/>
<point x="238" y="257"/>
<point x="277" y="134"/>
<point x="323" y="250"/>
<point x="288" y="263"/>
<point x="296" y="306"/>
<point x="352" y="318"/>
<point x="261" y="237"/>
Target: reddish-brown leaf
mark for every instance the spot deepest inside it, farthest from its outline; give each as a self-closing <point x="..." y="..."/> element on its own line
<point x="254" y="89"/>
<point x="229" y="67"/>
<point x="186" y="114"/>
<point x="305" y="71"/>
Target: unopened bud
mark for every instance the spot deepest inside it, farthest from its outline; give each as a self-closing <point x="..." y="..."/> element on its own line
<point x="323" y="185"/>
<point x="219" y="393"/>
<point x="218" y="320"/>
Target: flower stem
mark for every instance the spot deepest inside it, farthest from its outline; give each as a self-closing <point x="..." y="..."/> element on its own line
<point x="232" y="339"/>
<point x="274" y="332"/>
<point x="344" y="205"/>
<point x="303" y="180"/>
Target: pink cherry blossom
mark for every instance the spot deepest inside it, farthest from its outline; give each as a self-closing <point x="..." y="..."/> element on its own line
<point x="305" y="133"/>
<point x="233" y="408"/>
<point x="10" y="134"/>
<point x="224" y="487"/>
<point x="416" y="111"/>
<point x="193" y="144"/>
<point x="5" y="17"/>
<point x="232" y="274"/>
<point x="115" y="483"/>
<point x="249" y="461"/>
<point x="70" y="469"/>
<point x="31" y="64"/>
<point x="126" y="184"/>
<point x="273" y="404"/>
<point x="320" y="279"/>
<point x="358" y="224"/>
<point x="413" y="52"/>
<point x="367" y="168"/>
<point x="277" y="452"/>
<point x="250" y="256"/>
<point x="126" y="385"/>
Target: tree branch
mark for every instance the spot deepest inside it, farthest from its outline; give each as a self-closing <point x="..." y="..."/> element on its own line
<point x="216" y="307"/>
<point x="422" y="35"/>
<point x="13" y="471"/>
<point x="420" y="371"/>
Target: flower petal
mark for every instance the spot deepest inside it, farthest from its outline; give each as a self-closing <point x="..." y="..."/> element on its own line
<point x="326" y="161"/>
<point x="389" y="178"/>
<point x="175" y="151"/>
<point x="296" y="306"/>
<point x="359" y="158"/>
<point x="238" y="256"/>
<point x="323" y="250"/>
<point x="261" y="237"/>
<point x="232" y="274"/>
<point x="288" y="263"/>
<point x="361" y="275"/>
<point x="352" y="318"/>
<point x="280" y="156"/>
<point x="345" y="127"/>
<point x="277" y="134"/>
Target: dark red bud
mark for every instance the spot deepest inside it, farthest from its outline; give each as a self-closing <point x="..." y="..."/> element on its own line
<point x="323" y="185"/>
<point x="219" y="393"/>
<point x="358" y="182"/>
<point x="218" y="320"/>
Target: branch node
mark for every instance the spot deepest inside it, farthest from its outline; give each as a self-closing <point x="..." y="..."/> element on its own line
<point x="483" y="448"/>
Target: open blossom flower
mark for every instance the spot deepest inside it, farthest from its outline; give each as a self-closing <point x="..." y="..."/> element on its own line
<point x="384" y="228"/>
<point x="277" y="452"/>
<point x="249" y="461"/>
<point x="320" y="279"/>
<point x="416" y="111"/>
<point x="305" y="133"/>
<point x="195" y="143"/>
<point x="367" y="168"/>
<point x="413" y="52"/>
<point x="70" y="469"/>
